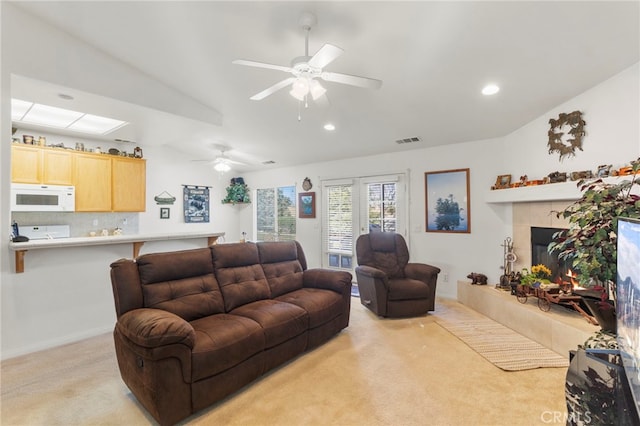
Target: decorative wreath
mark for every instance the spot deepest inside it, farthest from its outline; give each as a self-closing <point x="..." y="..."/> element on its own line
<point x="568" y="144"/>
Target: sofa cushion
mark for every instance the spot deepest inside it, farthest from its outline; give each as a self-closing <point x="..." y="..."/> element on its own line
<point x="281" y="266"/>
<point x="321" y="305"/>
<point x="279" y="321"/>
<point x="181" y="282"/>
<point x="223" y="341"/>
<point x="406" y="289"/>
<point x="238" y="271"/>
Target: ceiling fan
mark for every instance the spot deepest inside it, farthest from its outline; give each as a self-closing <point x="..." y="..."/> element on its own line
<point x="222" y="163"/>
<point x="306" y="70"/>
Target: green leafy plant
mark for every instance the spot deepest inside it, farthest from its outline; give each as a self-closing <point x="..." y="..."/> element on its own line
<point x="237" y="193"/>
<point x="590" y="243"/>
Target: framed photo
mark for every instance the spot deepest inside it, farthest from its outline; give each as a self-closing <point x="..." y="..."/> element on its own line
<point x="307" y="205"/>
<point x="164" y="212"/>
<point x="503" y="181"/>
<point x="447" y="201"/>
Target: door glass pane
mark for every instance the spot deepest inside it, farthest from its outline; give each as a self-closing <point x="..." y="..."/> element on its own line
<point x="381" y="207"/>
<point x="339" y="238"/>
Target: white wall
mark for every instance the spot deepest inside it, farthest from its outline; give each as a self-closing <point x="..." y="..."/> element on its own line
<point x="455" y="254"/>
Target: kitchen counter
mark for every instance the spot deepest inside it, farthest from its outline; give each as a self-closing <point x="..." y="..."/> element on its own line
<point x="137" y="240"/>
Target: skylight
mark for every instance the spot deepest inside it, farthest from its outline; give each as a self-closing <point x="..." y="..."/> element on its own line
<point x="60" y="118"/>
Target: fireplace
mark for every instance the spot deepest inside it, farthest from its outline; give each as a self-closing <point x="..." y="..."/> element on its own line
<point x="540" y="239"/>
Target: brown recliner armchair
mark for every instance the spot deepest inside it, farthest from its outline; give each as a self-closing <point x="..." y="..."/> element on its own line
<point x="389" y="285"/>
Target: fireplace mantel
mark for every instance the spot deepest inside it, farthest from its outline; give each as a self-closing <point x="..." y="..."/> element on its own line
<point x="548" y="192"/>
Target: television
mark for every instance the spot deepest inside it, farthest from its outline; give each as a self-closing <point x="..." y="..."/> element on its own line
<point x="628" y="302"/>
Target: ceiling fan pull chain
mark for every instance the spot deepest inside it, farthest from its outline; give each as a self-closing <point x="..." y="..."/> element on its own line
<point x="299" y="113"/>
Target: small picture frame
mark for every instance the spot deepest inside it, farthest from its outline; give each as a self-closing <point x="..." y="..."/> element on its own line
<point x="307" y="205"/>
<point x="503" y="181"/>
<point x="165" y="212"/>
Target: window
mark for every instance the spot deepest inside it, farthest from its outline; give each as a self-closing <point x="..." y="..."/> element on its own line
<point x="338" y="217"/>
<point x="276" y="214"/>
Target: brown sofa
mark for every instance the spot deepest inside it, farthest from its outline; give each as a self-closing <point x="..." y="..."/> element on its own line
<point x="194" y="326"/>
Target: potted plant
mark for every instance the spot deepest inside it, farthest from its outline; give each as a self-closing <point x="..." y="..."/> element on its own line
<point x="590" y="242"/>
<point x="237" y="192"/>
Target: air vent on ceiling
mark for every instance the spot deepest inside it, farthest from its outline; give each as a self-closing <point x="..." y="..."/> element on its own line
<point x="408" y="140"/>
<point x="266" y="163"/>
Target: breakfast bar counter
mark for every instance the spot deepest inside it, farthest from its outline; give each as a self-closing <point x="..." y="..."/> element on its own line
<point x="137" y="240"/>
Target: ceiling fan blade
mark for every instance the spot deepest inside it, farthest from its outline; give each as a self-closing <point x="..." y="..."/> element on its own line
<point x="261" y="65"/>
<point x="323" y="57"/>
<point x="272" y="89"/>
<point x="353" y="80"/>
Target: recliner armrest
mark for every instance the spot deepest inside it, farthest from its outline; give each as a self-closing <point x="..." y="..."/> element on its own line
<point x="152" y="328"/>
<point x="369" y="271"/>
<point x="339" y="281"/>
<point x="421" y="271"/>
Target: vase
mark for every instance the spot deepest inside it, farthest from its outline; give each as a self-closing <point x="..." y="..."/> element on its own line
<point x="604" y="313"/>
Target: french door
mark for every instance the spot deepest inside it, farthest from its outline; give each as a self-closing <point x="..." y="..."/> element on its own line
<point x="356" y="206"/>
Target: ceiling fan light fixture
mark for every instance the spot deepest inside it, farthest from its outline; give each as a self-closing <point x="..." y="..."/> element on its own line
<point x="316" y="89"/>
<point x="222" y="167"/>
<point x="300" y="88"/>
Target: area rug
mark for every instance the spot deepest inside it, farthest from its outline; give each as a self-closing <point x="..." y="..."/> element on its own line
<point x="502" y="346"/>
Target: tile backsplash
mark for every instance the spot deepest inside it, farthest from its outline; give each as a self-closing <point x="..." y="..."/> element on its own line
<point x="80" y="224"/>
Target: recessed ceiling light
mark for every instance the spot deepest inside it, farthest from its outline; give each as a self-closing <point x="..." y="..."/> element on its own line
<point x="490" y="89"/>
<point x="329" y="127"/>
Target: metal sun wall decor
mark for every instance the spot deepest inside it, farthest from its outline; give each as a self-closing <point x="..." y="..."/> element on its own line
<point x="565" y="134"/>
<point x="196" y="204"/>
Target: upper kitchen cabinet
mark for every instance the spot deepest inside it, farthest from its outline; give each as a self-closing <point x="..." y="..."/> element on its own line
<point x="129" y="184"/>
<point x="92" y="179"/>
<point x="31" y="164"/>
<point x="26" y="164"/>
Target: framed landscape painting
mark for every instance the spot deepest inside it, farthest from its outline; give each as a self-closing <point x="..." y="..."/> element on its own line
<point x="447" y="201"/>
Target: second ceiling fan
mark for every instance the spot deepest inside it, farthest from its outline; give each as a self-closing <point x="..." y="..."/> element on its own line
<point x="306" y="70"/>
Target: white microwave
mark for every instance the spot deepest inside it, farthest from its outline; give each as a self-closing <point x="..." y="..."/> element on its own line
<point x="42" y="198"/>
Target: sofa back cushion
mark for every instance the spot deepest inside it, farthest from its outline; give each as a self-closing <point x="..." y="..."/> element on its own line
<point x="181" y="282"/>
<point x="281" y="265"/>
<point x="238" y="271"/>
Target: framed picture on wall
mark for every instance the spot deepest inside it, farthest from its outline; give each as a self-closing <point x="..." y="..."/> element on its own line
<point x="447" y="201"/>
<point x="164" y="212"/>
<point x="307" y="205"/>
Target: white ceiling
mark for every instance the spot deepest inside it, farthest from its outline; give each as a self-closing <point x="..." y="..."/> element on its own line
<point x="433" y="57"/>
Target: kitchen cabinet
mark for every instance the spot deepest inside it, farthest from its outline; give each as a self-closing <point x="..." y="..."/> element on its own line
<point x="128" y="184"/>
<point x="26" y="164"/>
<point x="32" y="164"/>
<point x="92" y="179"/>
<point x="104" y="183"/>
<point x="57" y="167"/>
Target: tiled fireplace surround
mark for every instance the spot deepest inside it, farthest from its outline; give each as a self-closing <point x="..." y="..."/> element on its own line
<point x="560" y="329"/>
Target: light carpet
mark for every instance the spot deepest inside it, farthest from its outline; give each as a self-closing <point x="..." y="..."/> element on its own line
<point x="502" y="346"/>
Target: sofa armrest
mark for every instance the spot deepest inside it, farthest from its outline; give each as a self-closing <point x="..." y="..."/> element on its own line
<point x="421" y="271"/>
<point x="152" y="328"/>
<point x="338" y="281"/>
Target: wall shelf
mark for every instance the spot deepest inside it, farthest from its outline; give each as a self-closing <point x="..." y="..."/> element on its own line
<point x="563" y="191"/>
<point x="137" y="241"/>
